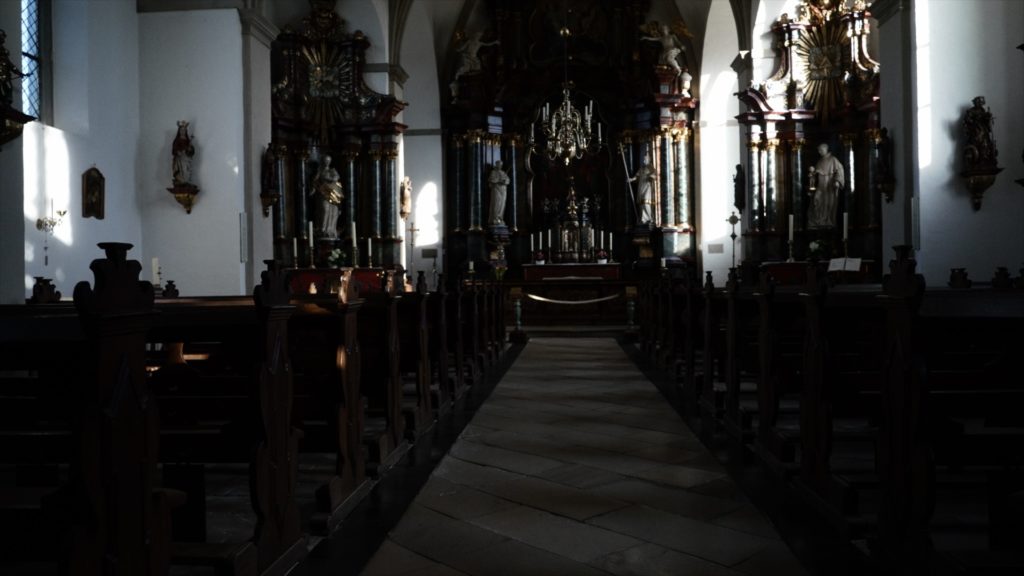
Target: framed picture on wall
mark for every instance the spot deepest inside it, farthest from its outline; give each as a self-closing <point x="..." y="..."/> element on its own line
<point x="93" y="192"/>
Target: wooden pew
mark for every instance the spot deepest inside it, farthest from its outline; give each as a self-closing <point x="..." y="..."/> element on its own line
<point x="444" y="386"/>
<point x="99" y="422"/>
<point x="247" y="343"/>
<point x="329" y="405"/>
<point x="415" y="362"/>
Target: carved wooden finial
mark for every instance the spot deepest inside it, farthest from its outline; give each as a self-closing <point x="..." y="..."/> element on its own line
<point x="273" y="289"/>
<point x="116" y="284"/>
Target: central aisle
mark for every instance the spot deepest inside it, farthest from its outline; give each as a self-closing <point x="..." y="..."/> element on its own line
<point x="576" y="465"/>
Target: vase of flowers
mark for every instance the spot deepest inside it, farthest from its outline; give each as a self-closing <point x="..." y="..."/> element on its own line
<point x="601" y="256"/>
<point x="538" y="257"/>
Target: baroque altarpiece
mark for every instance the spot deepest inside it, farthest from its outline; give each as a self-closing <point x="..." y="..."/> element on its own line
<point x="820" y="107"/>
<point x="330" y="173"/>
<point x="568" y="201"/>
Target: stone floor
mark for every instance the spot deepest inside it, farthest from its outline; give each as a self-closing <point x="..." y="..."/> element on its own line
<point x="577" y="465"/>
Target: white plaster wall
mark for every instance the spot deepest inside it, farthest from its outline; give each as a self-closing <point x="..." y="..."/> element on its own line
<point x="950" y="75"/>
<point x="95" y="123"/>
<point x="718" y="151"/>
<point x="423" y="157"/>
<point x="12" y="246"/>
<point x="260" y="227"/>
<point x="191" y="69"/>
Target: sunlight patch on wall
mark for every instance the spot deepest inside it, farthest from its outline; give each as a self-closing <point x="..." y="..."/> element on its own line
<point x="716" y="138"/>
<point x="426" y="212"/>
<point x="924" y="84"/>
<point x="47" y="178"/>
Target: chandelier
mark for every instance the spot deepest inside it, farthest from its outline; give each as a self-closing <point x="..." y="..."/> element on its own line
<point x="568" y="132"/>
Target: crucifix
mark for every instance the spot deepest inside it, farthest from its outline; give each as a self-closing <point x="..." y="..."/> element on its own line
<point x="412" y="240"/>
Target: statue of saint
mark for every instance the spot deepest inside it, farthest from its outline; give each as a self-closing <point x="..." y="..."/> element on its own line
<point x="645" y="178"/>
<point x="327" y="188"/>
<point x="182" y="152"/>
<point x="497" y="181"/>
<point x="405" y="208"/>
<point x="826" y="184"/>
<point x="980" y="150"/>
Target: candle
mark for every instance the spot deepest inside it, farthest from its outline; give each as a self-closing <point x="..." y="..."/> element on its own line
<point x="846" y="225"/>
<point x="601" y="238"/>
<point x="295" y="247"/>
<point x="662" y="262"/>
<point x="549" y="238"/>
<point x="353" y="235"/>
<point x="599" y="138"/>
<point x="790" y="228"/>
<point x="531" y="243"/>
<point x="156" y="268"/>
<point x="310" y="234"/>
<point x="470" y="265"/>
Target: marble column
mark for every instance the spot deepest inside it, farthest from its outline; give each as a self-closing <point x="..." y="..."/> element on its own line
<point x="389" y="204"/>
<point x="873" y="205"/>
<point x="283" y="208"/>
<point x="475" y="185"/>
<point x="681" y="143"/>
<point x="771" y="192"/>
<point x="303" y="200"/>
<point x="350" y="176"/>
<point x="376" y="184"/>
<point x="849" y="165"/>
<point x="515" y="146"/>
<point x="755" y="203"/>
<point x="457" y="173"/>
<point x="797" y="183"/>
<point x="666" y="179"/>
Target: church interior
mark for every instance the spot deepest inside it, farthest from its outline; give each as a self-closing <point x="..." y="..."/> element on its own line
<point x="511" y="287"/>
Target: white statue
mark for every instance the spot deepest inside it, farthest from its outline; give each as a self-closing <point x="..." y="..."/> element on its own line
<point x="327" y="188"/>
<point x="497" y="181"/>
<point x="826" y="185"/>
<point x="182" y="151"/>
<point x="670" y="48"/>
<point x="645" y="178"/>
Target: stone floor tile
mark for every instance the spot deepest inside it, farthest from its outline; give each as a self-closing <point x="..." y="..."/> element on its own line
<point x="708" y="541"/>
<point x="669" y="499"/>
<point x="748" y="519"/>
<point x="439" y="537"/>
<point x="653" y="560"/>
<point x="580" y="476"/>
<point x="575" y="540"/>
<point x="513" y="558"/>
<point x="496" y="457"/>
<point x="774" y="559"/>
<point x="457" y="500"/>
<point x="677" y="475"/>
<point x="395" y="560"/>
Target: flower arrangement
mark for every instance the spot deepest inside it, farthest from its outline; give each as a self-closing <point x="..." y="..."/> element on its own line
<point x="539" y="256"/>
<point x="818" y="250"/>
<point x="499" y="271"/>
<point x="601" y="255"/>
<point x="336" y="258"/>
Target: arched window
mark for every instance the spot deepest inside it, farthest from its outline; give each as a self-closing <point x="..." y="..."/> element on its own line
<point x="35" y="47"/>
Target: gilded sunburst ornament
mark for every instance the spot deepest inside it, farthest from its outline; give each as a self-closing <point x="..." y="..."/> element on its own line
<point x="821" y="48"/>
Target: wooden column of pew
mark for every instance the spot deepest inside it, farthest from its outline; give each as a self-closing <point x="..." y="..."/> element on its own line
<point x="235" y="405"/>
<point x="329" y="404"/>
<point x="444" y="384"/>
<point x="415" y="362"/>
<point x="86" y="419"/>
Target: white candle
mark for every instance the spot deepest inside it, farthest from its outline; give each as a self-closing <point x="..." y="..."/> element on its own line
<point x="295" y="247"/>
<point x="790" y="228"/>
<point x="310" y="234"/>
<point x="353" y="235"/>
<point x="601" y="238"/>
<point x="156" y="268"/>
<point x="846" y="225"/>
<point x="531" y="243"/>
<point x="599" y="138"/>
<point x="611" y="241"/>
<point x="369" y="249"/>
<point x="662" y="262"/>
<point x="549" y="238"/>
<point x="470" y="265"/>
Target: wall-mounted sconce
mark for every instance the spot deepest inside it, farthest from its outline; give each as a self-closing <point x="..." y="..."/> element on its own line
<point x="182" y="151"/>
<point x="980" y="154"/>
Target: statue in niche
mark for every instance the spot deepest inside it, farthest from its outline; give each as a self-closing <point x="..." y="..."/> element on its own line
<point x="182" y="152"/>
<point x="739" y="189"/>
<point x="8" y="74"/>
<point x="645" y="178"/>
<point x="405" y="208"/>
<point x="980" y="151"/>
<point x="826" y="184"/>
<point x="327" y="188"/>
<point x="497" y="182"/>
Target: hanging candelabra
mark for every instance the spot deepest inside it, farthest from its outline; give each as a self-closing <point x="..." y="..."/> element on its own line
<point x="568" y="132"/>
<point x="46" y="226"/>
